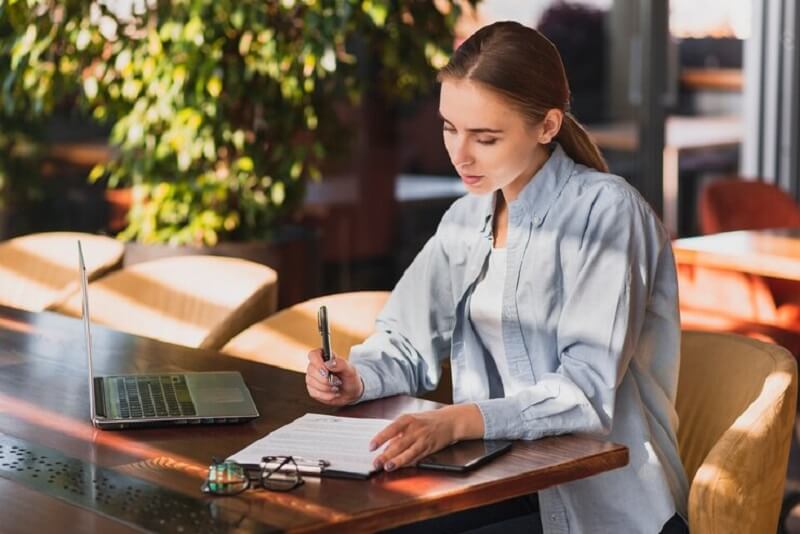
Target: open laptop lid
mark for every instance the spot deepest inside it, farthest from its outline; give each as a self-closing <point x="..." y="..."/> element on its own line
<point x="206" y="387"/>
<point x="86" y="330"/>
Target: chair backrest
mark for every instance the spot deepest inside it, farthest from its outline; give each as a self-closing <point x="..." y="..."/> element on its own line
<point x="736" y="405"/>
<point x="736" y="204"/>
<point x="285" y="338"/>
<point x="196" y="301"/>
<point x="39" y="271"/>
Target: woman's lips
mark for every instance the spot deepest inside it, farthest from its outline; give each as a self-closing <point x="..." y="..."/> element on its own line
<point x="470" y="180"/>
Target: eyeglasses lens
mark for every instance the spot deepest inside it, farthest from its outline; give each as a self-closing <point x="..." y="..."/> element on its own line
<point x="284" y="476"/>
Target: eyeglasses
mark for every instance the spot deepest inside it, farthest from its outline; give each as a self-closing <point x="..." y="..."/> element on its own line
<point x="277" y="473"/>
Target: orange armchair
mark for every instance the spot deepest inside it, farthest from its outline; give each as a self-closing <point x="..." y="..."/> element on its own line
<point x="736" y="204"/>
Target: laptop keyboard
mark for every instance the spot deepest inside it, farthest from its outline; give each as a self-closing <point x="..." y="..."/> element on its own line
<point x="153" y="396"/>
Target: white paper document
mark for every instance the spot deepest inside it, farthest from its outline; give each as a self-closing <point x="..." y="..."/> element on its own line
<point x="342" y="441"/>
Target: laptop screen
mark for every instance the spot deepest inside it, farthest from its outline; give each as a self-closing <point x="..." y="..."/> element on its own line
<point x="86" y="330"/>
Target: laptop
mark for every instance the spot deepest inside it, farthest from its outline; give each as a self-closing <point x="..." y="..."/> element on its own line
<point x="147" y="400"/>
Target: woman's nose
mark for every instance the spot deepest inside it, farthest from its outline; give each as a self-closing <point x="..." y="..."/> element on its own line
<point x="460" y="154"/>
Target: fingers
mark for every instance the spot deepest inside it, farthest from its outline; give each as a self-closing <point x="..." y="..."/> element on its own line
<point x="333" y="365"/>
<point x="397" y="446"/>
<point x="392" y="429"/>
<point x="315" y="356"/>
<point x="318" y="368"/>
<point x="322" y="376"/>
<point x="340" y="388"/>
<point x="414" y="451"/>
<point x="322" y="379"/>
<point x="321" y="391"/>
<point x="404" y="449"/>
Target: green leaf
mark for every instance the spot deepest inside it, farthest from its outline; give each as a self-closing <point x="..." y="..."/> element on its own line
<point x="232" y="105"/>
<point x="297" y="168"/>
<point x="328" y="60"/>
<point x="278" y="193"/>
<point x="245" y="42"/>
<point x="245" y="164"/>
<point x="90" y="87"/>
<point x="154" y="47"/>
<point x="193" y="31"/>
<point x="377" y="11"/>
<point x="97" y="172"/>
<point x="238" y="139"/>
<point x="214" y="86"/>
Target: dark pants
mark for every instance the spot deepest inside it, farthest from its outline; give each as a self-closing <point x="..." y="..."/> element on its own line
<point x="520" y="514"/>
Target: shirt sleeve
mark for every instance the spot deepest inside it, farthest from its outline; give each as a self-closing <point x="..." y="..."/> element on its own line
<point x="606" y="294"/>
<point x="413" y="331"/>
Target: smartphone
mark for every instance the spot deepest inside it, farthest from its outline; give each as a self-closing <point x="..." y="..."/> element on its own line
<point x="325" y="335"/>
<point x="465" y="455"/>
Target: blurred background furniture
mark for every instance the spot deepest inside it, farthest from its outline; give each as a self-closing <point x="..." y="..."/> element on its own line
<point x="751" y="276"/>
<point x="736" y="404"/>
<point x="722" y="285"/>
<point x="738" y="204"/>
<point x="196" y="301"/>
<point x="681" y="135"/>
<point x="292" y="332"/>
<point x="284" y="339"/>
<point x="39" y="271"/>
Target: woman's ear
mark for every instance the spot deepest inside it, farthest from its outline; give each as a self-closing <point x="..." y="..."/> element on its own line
<point x="551" y="124"/>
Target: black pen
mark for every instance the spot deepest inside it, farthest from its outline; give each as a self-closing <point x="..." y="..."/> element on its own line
<point x="325" y="335"/>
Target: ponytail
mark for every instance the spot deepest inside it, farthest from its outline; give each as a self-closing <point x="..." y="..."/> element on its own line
<point x="576" y="142"/>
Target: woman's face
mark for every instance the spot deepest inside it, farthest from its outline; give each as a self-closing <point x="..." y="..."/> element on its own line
<point x="489" y="142"/>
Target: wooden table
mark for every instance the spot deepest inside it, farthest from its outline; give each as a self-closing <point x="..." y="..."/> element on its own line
<point x="44" y="401"/>
<point x="681" y="134"/>
<point x="773" y="253"/>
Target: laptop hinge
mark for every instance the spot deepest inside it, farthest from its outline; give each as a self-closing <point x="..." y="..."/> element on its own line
<point x="99" y="397"/>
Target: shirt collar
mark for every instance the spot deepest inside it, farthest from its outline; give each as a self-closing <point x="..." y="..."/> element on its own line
<point x="539" y="194"/>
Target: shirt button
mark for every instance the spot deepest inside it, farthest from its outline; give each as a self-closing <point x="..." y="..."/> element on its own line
<point x="553" y="517"/>
<point x="537" y="219"/>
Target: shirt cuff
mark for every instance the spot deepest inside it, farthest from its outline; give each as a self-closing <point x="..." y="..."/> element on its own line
<point x="371" y="381"/>
<point x="502" y="419"/>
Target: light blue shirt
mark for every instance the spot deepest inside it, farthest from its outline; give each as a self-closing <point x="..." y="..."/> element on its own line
<point x="590" y="328"/>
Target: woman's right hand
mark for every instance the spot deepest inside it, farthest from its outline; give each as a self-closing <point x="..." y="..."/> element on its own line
<point x="344" y="387"/>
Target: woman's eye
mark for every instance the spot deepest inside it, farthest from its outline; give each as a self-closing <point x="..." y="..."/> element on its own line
<point x="448" y="129"/>
<point x="489" y="141"/>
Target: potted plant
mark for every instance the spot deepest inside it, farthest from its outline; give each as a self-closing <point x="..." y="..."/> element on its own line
<point x="221" y="110"/>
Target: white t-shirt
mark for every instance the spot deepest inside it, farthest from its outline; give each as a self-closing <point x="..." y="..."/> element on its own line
<point x="486" y="314"/>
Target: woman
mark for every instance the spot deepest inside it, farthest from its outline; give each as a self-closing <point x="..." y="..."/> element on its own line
<point x="552" y="289"/>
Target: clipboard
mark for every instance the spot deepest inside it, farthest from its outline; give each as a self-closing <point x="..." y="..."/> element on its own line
<point x="321" y="445"/>
<point x="308" y="467"/>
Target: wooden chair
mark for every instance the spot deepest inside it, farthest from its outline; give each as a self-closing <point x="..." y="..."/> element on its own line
<point x="39" y="271"/>
<point x="736" y="408"/>
<point x="196" y="301"/>
<point x="284" y="339"/>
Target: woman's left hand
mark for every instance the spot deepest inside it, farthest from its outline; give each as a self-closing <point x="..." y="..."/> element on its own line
<point x="412" y="437"/>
